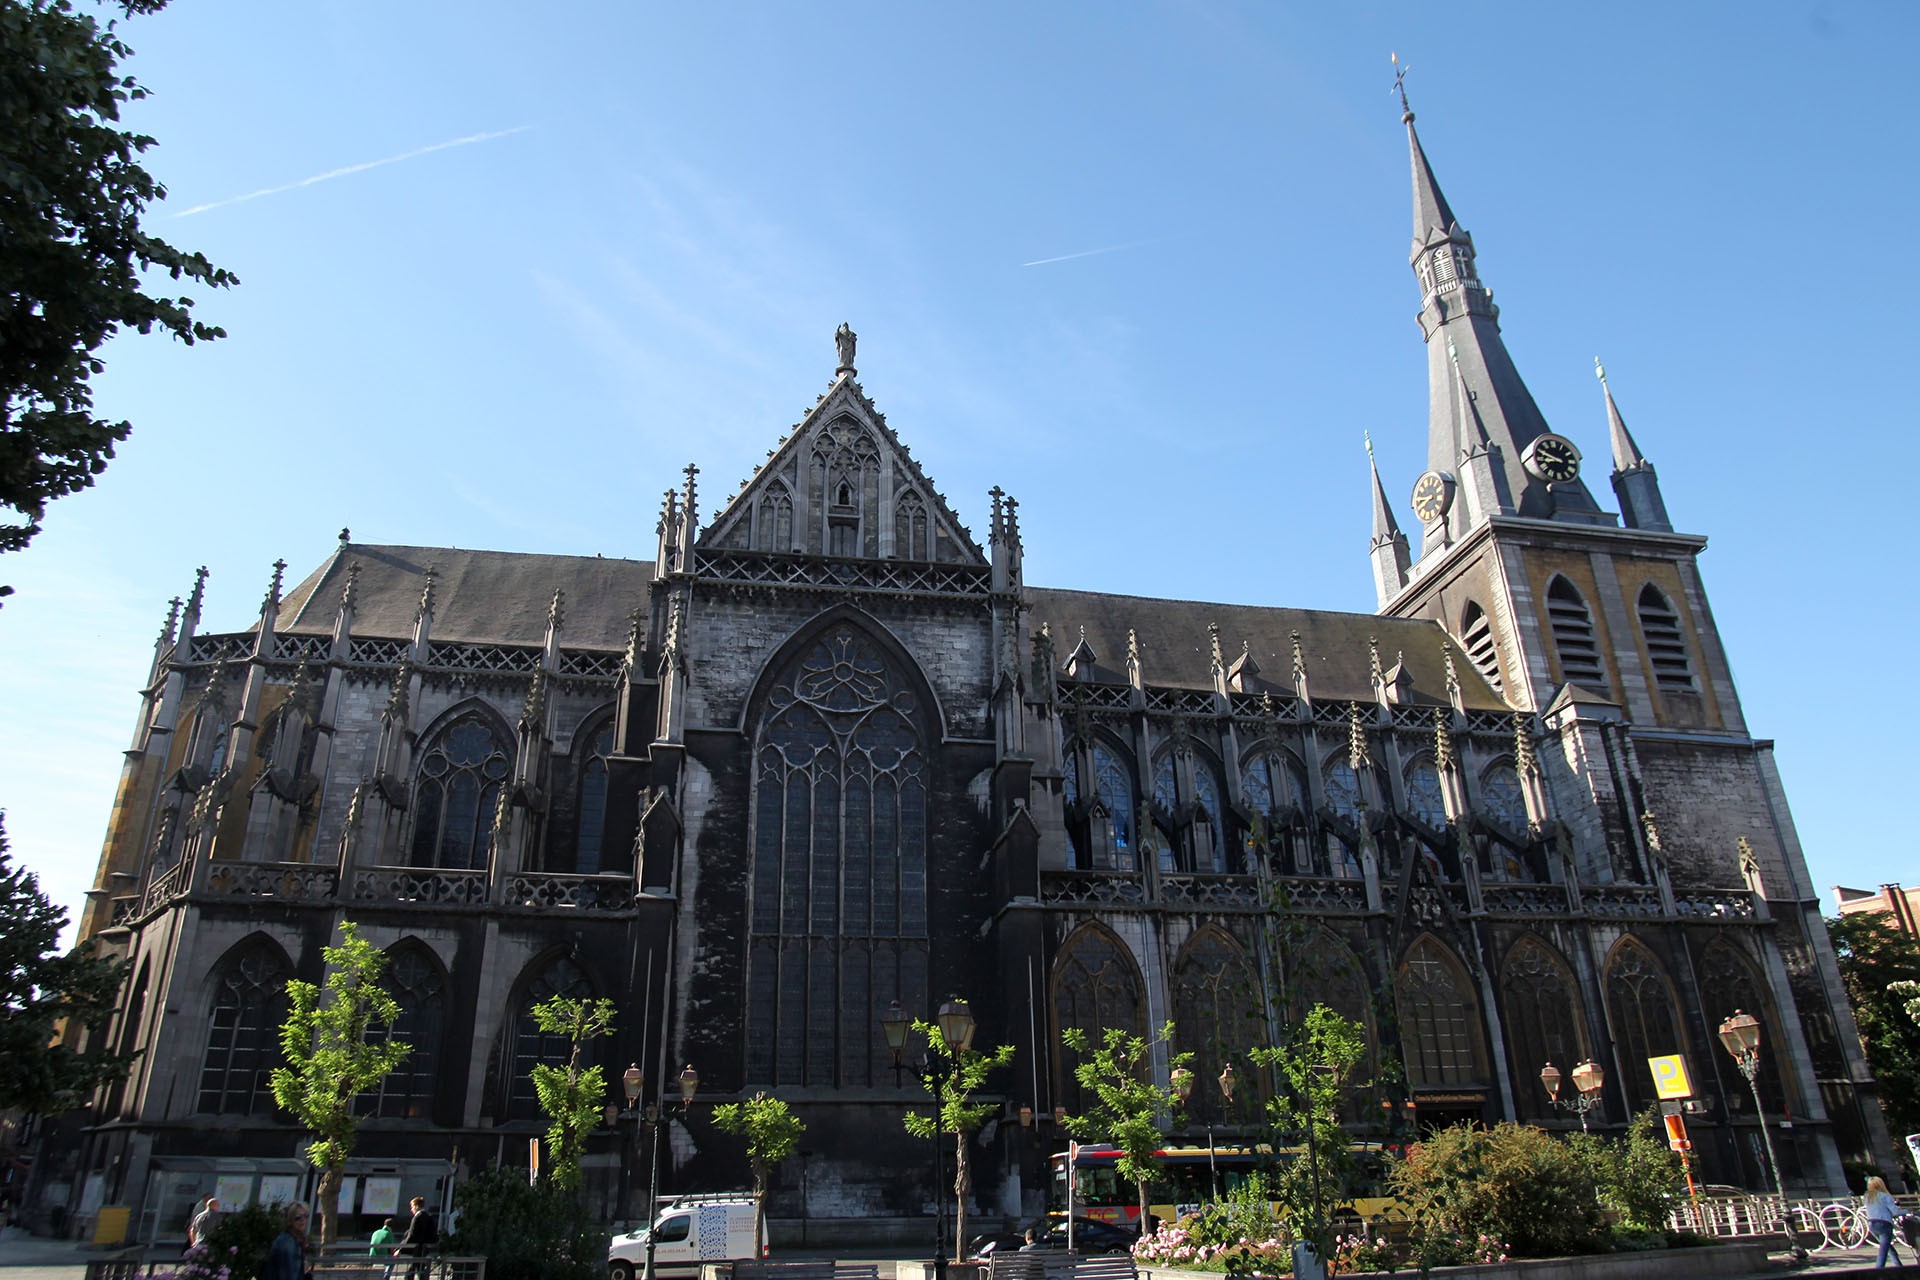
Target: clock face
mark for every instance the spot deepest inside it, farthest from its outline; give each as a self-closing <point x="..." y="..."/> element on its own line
<point x="1432" y="495"/>
<point x="1553" y="459"/>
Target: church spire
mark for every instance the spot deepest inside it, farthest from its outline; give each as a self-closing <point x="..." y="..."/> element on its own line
<point x="1634" y="481"/>
<point x="1462" y="330"/>
<point x="1389" y="546"/>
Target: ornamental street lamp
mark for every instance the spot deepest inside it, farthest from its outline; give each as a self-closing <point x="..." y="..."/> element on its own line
<point x="631" y="1081"/>
<point x="658" y="1113"/>
<point x="1213" y="1166"/>
<point x="1588" y="1081"/>
<point x="1741" y="1035"/>
<point x="955" y="1020"/>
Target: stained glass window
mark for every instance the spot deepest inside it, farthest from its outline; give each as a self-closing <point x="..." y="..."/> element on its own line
<point x="1113" y="783"/>
<point x="589" y="847"/>
<point x="839" y="915"/>
<point x="455" y="791"/>
<point x="1425" y="801"/>
<point x="243" y="1035"/>
<point x="417" y="983"/>
<point x="1730" y="984"/>
<point x="1439" y="1017"/>
<point x="1343" y="798"/>
<point x="1215" y="1014"/>
<point x="1096" y="986"/>
<point x="1640" y="999"/>
<point x="1541" y="1011"/>
<point x="1501" y="797"/>
<point x="532" y="1046"/>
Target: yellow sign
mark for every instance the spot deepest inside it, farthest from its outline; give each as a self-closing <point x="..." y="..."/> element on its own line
<point x="111" y="1226"/>
<point x="1670" y="1077"/>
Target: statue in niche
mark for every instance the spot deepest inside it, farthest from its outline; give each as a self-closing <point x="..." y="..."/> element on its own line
<point x="844" y="338"/>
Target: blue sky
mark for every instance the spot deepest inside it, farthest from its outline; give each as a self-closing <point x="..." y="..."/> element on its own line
<point x="653" y="216"/>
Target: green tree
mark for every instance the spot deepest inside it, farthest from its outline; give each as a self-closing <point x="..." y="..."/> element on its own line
<point x="73" y="256"/>
<point x="46" y="994"/>
<point x="538" y="1232"/>
<point x="953" y="1076"/>
<point x="1639" y="1176"/>
<point x="772" y="1132"/>
<point x="1876" y="956"/>
<point x="1129" y="1109"/>
<point x="337" y="1049"/>
<point x="1312" y="1069"/>
<point x="571" y="1095"/>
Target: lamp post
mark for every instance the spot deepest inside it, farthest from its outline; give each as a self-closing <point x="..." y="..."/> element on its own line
<point x="1741" y="1035"/>
<point x="956" y="1024"/>
<point x="1227" y="1082"/>
<point x="632" y="1080"/>
<point x="1588" y="1081"/>
<point x="657" y="1115"/>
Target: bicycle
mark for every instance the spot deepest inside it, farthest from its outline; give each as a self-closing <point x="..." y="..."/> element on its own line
<point x="1843" y="1225"/>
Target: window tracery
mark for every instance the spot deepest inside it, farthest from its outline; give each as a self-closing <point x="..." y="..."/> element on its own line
<point x="839" y="915"/>
<point x="1426" y="801"/>
<point x="1645" y="1019"/>
<point x="1215" y="1015"/>
<point x="561" y="976"/>
<point x="456" y="788"/>
<point x="1541" y="1010"/>
<point x="419" y="987"/>
<point x="589" y="842"/>
<point x="243" y="1033"/>
<point x="1096" y="986"/>
<point x="1729" y="984"/>
<point x="910" y="527"/>
<point x="1439" y="1017"/>
<point x="773" y="522"/>
<point x="1344" y="802"/>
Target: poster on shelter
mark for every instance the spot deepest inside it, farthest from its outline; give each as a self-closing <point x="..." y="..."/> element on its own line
<point x="279" y="1188"/>
<point x="348" y="1186"/>
<point x="234" y="1190"/>
<point x="380" y="1197"/>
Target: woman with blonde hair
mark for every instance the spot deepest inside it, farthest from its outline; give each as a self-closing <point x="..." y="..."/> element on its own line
<point x="1881" y="1211"/>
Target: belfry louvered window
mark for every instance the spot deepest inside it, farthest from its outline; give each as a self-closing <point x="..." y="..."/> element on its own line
<point x="1573" y="636"/>
<point x="839" y="848"/>
<point x="1476" y="633"/>
<point x="1666" y="642"/>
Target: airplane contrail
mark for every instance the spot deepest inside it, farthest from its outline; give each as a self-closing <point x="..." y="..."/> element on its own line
<point x="353" y="168"/>
<point x="1089" y="253"/>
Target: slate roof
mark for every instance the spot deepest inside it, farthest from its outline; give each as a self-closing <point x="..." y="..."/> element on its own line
<point x="501" y="597"/>
<point x="1174" y="646"/>
<point x="482" y="597"/>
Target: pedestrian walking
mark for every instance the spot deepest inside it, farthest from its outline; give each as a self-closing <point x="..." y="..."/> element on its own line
<point x="423" y="1233"/>
<point x="1881" y="1211"/>
<point x="287" y="1258"/>
<point x="205" y="1219"/>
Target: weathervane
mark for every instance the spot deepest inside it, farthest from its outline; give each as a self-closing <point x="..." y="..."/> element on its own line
<point x="1400" y="86"/>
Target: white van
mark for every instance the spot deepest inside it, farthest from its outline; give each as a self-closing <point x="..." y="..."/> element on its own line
<point x="688" y="1233"/>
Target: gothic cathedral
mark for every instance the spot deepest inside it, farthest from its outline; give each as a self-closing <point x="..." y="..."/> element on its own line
<point x="825" y="753"/>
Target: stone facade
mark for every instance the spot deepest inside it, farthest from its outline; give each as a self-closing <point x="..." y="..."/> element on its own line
<point x="824" y="752"/>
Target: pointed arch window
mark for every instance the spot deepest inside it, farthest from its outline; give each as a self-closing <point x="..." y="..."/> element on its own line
<point x="773" y="522"/>
<point x="589" y="846"/>
<point x="456" y="788"/>
<point x="1730" y="984"/>
<point x="1113" y="832"/>
<point x="1573" y="636"/>
<point x="839" y="840"/>
<point x="1344" y="801"/>
<point x="208" y="740"/>
<point x="1196" y="844"/>
<point x="1439" y="1017"/>
<point x="1645" y="1018"/>
<point x="1273" y="783"/>
<point x="419" y="986"/>
<point x="1476" y="636"/>
<point x="910" y="527"/>
<point x="243" y="1034"/>
<point x="1096" y="986"/>
<point x="1426" y="800"/>
<point x="1666" y="642"/>
<point x="531" y="1046"/>
<point x="1215" y="1015"/>
<point x="1541" y="1010"/>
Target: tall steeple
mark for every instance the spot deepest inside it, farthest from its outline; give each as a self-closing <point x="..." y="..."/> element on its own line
<point x="1634" y="481"/>
<point x="1466" y="359"/>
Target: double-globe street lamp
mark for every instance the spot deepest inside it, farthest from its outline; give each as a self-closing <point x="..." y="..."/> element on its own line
<point x="1181" y="1080"/>
<point x="955" y="1020"/>
<point x="1588" y="1081"/>
<point x="1741" y="1035"/>
<point x="657" y="1115"/>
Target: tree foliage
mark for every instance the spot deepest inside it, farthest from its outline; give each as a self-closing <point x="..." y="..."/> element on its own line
<point x="571" y="1095"/>
<point x="953" y="1076"/>
<point x="1312" y="1068"/>
<point x="772" y="1132"/>
<point x="1514" y="1183"/>
<point x="1639" y="1176"/>
<point x="337" y="1050"/>
<point x="1130" y="1110"/>
<point x="73" y="256"/>
<point x="1876" y="957"/>
<point x="539" y="1232"/>
<point x="42" y="989"/>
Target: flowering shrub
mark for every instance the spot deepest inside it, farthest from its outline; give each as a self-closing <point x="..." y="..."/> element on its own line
<point x="1361" y="1252"/>
<point x="1190" y="1244"/>
<point x="198" y="1263"/>
<point x="1459" y="1251"/>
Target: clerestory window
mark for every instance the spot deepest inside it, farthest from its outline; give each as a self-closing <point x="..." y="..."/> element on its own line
<point x="456" y="788"/>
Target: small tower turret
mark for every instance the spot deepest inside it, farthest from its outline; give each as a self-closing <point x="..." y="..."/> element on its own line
<point x="1634" y="482"/>
<point x="1391" y="558"/>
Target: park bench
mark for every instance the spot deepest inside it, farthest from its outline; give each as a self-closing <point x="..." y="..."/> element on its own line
<point x="1049" y="1265"/>
<point x="749" y="1269"/>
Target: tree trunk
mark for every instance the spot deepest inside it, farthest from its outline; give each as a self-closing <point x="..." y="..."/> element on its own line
<point x="759" y="1208"/>
<point x="1141" y="1187"/>
<point x="962" y="1188"/>
<point x="329" y="1196"/>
